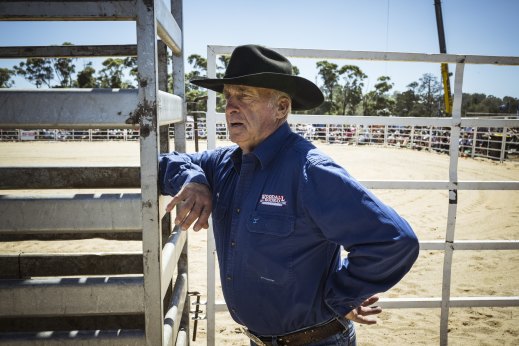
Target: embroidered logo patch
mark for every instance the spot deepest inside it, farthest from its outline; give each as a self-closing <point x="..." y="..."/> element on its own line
<point x="274" y="200"/>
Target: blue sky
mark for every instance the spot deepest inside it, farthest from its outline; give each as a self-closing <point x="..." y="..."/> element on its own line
<point x="479" y="27"/>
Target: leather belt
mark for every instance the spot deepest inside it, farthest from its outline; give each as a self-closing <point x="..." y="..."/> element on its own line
<point x="302" y="337"/>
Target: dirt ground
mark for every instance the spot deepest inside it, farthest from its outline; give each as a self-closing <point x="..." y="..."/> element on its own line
<point x="481" y="215"/>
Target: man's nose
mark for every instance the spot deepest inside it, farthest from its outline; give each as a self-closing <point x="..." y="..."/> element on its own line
<point x="231" y="105"/>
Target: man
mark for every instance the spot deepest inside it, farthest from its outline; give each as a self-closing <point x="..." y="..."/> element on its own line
<point x="281" y="212"/>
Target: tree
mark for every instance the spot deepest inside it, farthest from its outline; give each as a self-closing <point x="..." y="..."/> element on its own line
<point x="429" y="90"/>
<point x="378" y="102"/>
<point x="406" y="102"/>
<point x="111" y="76"/>
<point x="224" y="63"/>
<point x="195" y="94"/>
<point x="352" y="89"/>
<point x="131" y="63"/>
<point x="5" y="78"/>
<point x="64" y="69"/>
<point x="42" y="71"/>
<point x="329" y="74"/>
<point x="86" y="77"/>
<point x="37" y="71"/>
<point x="512" y="104"/>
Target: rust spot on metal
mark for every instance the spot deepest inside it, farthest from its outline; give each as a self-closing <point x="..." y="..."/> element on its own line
<point x="147" y="204"/>
<point x="143" y="83"/>
<point x="148" y="4"/>
<point x="143" y="109"/>
<point x="145" y="131"/>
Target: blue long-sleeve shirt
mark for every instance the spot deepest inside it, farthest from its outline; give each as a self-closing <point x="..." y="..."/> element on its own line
<point x="280" y="216"/>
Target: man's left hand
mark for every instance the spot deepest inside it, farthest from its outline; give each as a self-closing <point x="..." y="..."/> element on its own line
<point x="360" y="314"/>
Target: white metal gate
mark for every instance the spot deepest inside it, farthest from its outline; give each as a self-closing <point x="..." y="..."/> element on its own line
<point x="453" y="185"/>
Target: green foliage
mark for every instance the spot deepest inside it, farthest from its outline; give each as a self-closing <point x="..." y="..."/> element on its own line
<point x="481" y="103"/>
<point x="377" y="102"/>
<point x="86" y="77"/>
<point x="5" y="78"/>
<point x="43" y="71"/>
<point x="111" y="76"/>
<point x="329" y="74"/>
<point x="353" y="78"/>
<point x="430" y="92"/>
<point x="37" y="71"/>
<point x="195" y="96"/>
<point x="405" y="102"/>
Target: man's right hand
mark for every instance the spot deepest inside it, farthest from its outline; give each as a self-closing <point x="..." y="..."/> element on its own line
<point x="194" y="203"/>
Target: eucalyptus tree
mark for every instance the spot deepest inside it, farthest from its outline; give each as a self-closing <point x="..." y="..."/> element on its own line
<point x="406" y="102"/>
<point x="430" y="91"/>
<point x="44" y="71"/>
<point x="5" y="78"/>
<point x="378" y="102"/>
<point x="353" y="78"/>
<point x="112" y="74"/>
<point x="86" y="77"/>
<point x="37" y="71"/>
<point x="329" y="73"/>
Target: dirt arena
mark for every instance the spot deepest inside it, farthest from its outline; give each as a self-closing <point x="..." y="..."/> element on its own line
<point x="482" y="215"/>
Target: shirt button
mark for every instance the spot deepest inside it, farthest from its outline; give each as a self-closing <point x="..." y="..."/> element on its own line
<point x="237" y="210"/>
<point x="229" y="278"/>
<point x="233" y="243"/>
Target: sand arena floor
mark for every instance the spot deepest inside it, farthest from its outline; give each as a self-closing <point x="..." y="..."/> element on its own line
<point x="488" y="215"/>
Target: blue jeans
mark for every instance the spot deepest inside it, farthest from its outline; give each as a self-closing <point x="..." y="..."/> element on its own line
<point x="345" y="338"/>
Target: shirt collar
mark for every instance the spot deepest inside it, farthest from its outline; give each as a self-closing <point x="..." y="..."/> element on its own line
<point x="268" y="149"/>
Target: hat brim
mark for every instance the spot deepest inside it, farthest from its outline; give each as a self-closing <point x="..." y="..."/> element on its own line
<point x="304" y="94"/>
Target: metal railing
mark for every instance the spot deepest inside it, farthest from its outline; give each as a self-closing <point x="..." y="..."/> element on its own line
<point x="497" y="143"/>
<point x="123" y="298"/>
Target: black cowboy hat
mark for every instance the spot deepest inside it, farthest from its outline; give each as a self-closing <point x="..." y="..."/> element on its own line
<point x="258" y="66"/>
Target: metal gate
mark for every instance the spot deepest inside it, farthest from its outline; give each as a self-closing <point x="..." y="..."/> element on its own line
<point x="122" y="298"/>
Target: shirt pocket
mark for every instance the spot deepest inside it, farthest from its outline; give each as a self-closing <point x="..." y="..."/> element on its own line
<point x="277" y="225"/>
<point x="269" y="256"/>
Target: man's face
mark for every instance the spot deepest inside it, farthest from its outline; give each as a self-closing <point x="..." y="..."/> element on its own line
<point x="251" y="115"/>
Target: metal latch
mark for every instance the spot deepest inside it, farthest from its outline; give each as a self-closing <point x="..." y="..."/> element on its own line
<point x="196" y="311"/>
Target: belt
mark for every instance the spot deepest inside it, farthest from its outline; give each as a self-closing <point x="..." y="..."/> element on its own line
<point x="301" y="337"/>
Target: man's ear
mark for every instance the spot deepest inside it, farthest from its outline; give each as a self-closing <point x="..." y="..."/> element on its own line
<point x="283" y="106"/>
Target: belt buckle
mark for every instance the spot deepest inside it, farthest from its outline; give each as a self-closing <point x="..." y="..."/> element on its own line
<point x="253" y="337"/>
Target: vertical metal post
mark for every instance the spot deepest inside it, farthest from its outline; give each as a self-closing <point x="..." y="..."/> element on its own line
<point x="474" y="140"/>
<point x="177" y="11"/>
<point x="211" y="101"/>
<point x="162" y="57"/>
<point x="503" y="145"/>
<point x="179" y="78"/>
<point x="211" y="246"/>
<point x="149" y="149"/>
<point x="430" y="137"/>
<point x="453" y="204"/>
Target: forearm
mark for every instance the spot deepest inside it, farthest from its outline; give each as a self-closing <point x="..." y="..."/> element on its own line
<point x="177" y="170"/>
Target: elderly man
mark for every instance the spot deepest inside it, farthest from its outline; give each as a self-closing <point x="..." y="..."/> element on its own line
<point x="282" y="211"/>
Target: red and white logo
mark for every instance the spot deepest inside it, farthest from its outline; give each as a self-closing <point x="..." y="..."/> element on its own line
<point x="274" y="200"/>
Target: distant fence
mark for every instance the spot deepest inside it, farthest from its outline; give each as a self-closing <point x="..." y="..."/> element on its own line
<point x="499" y="143"/>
